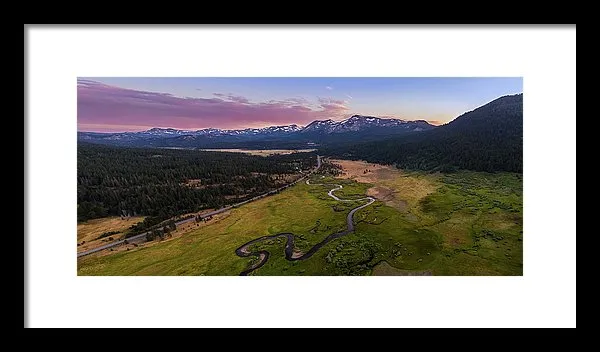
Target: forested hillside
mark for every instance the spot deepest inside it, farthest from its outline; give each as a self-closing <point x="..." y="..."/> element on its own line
<point x="489" y="138"/>
<point x="162" y="183"/>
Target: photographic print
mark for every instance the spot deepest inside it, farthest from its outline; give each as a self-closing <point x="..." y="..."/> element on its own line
<point x="285" y="176"/>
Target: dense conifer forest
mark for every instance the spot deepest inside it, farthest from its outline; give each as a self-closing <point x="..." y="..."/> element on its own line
<point x="162" y="183"/>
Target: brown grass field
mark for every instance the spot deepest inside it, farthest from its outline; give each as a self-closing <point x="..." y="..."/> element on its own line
<point x="90" y="230"/>
<point x="394" y="187"/>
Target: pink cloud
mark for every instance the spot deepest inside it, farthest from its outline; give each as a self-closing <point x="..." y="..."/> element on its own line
<point x="99" y="104"/>
<point x="231" y="97"/>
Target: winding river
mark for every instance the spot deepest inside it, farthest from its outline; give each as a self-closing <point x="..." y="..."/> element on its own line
<point x="263" y="255"/>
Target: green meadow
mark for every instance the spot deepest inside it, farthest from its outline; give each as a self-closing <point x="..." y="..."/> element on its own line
<point x="466" y="223"/>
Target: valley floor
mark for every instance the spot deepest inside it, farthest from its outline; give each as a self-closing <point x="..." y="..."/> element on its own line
<point x="262" y="152"/>
<point x="465" y="223"/>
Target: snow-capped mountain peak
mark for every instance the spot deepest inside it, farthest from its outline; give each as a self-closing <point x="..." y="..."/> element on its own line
<point x="361" y="122"/>
<point x="314" y="131"/>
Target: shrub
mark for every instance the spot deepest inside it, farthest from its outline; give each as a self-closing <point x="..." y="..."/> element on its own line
<point x="106" y="234"/>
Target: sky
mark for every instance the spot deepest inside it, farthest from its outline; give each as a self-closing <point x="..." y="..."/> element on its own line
<point x="116" y="104"/>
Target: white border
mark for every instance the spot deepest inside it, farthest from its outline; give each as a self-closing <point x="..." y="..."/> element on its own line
<point x="543" y="297"/>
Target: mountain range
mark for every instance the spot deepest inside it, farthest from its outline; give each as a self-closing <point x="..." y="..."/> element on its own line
<point x="488" y="138"/>
<point x="356" y="127"/>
